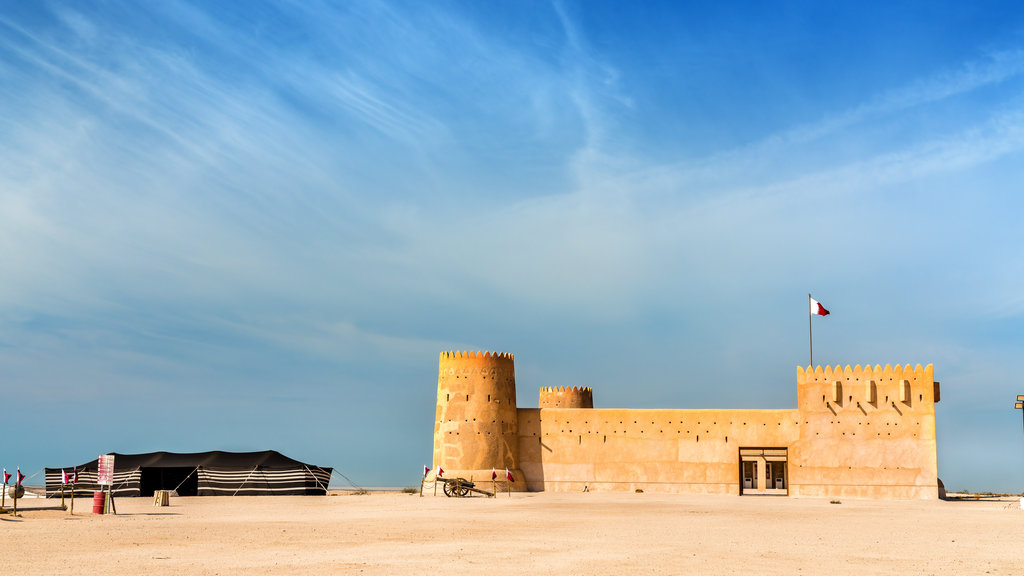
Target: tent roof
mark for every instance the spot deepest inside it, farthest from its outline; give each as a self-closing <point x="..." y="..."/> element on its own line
<point x="215" y="459"/>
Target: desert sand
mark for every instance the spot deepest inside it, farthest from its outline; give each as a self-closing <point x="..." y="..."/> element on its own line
<point x="543" y="533"/>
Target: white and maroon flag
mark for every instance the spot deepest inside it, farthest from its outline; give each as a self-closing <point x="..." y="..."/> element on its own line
<point x="494" y="474"/>
<point x="64" y="478"/>
<point x="7" y="476"/>
<point x="509" y="476"/>
<point x="20" y="476"/>
<point x="817" y="308"/>
<point x="440" y="471"/>
<point x="425" y="471"/>
<point x="74" y="476"/>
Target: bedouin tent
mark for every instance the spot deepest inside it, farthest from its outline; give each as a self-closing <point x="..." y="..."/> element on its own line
<point x="266" y="473"/>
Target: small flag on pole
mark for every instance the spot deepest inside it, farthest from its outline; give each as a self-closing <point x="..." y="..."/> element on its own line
<point x="440" y="471"/>
<point x="64" y="477"/>
<point x="817" y="308"/>
<point x="509" y="476"/>
<point x="426" y="469"/>
<point x="814" y="309"/>
<point x="74" y="476"/>
<point x="7" y="476"/>
<point x="20" y="476"/>
<point x="494" y="474"/>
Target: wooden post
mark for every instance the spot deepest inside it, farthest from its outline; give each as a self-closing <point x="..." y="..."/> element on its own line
<point x="110" y="507"/>
<point x="72" y="498"/>
<point x="62" y="505"/>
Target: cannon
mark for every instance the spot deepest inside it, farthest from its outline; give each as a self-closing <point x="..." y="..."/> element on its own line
<point x="460" y="488"/>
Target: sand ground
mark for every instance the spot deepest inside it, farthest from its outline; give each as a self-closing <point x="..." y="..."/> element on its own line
<point x="591" y="533"/>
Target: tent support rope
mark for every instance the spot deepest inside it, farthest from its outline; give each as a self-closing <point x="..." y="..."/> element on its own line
<point x="354" y="485"/>
<point x="129" y="477"/>
<point x="246" y="480"/>
<point x="315" y="479"/>
<point x="183" y="481"/>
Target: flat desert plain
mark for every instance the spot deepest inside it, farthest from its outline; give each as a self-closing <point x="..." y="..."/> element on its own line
<point x="547" y="533"/>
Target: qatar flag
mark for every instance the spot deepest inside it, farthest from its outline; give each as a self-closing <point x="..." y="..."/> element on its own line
<point x="440" y="471"/>
<point x="7" y="476"/>
<point x="20" y="476"/>
<point x="817" y="308"/>
<point x="64" y="478"/>
<point x="74" y="476"/>
<point x="425" y="470"/>
<point x="509" y="476"/>
<point x="493" y="474"/>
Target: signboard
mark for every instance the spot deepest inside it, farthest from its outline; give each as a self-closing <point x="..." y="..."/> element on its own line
<point x="105" y="473"/>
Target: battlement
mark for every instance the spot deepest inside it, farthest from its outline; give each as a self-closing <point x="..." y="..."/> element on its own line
<point x="566" y="397"/>
<point x="566" y="389"/>
<point x="819" y="374"/>
<point x="837" y="386"/>
<point x="450" y="355"/>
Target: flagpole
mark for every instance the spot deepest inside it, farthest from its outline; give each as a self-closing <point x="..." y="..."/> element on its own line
<point x="810" y="337"/>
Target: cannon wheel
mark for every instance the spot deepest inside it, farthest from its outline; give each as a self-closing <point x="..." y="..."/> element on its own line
<point x="455" y="489"/>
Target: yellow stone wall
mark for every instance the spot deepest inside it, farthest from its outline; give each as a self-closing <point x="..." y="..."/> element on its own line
<point x="856" y="432"/>
<point x="690" y="451"/>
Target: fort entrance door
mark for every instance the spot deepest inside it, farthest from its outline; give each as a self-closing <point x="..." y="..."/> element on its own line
<point x="764" y="471"/>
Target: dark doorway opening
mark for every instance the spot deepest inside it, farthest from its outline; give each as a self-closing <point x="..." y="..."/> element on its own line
<point x="186" y="480"/>
<point x="764" y="471"/>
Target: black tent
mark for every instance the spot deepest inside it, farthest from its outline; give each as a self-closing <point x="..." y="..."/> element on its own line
<point x="266" y="473"/>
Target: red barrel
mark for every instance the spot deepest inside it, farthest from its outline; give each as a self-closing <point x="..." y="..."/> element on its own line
<point x="99" y="499"/>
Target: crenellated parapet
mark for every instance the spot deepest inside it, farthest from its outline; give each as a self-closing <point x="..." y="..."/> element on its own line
<point x="867" y="371"/>
<point x="566" y="397"/>
<point x="871" y="385"/>
<point x="458" y="354"/>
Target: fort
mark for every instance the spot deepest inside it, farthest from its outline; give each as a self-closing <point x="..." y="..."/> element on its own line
<point x="866" y="432"/>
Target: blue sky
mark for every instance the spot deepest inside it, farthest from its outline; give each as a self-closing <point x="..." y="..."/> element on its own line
<point x="246" y="226"/>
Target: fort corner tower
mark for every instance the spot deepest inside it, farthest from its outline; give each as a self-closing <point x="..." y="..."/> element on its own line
<point x="476" y="422"/>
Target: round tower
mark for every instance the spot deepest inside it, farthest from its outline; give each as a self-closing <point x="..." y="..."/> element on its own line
<point x="476" y="426"/>
<point x="566" y="397"/>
